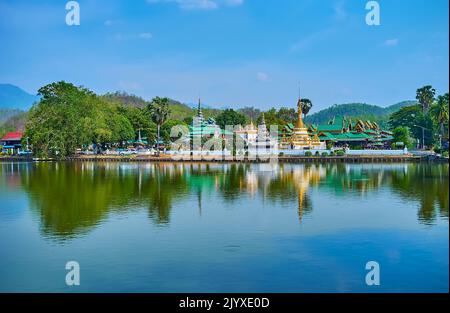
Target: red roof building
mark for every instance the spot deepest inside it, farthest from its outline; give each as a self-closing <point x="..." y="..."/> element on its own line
<point x="11" y="143"/>
<point x="12" y="136"/>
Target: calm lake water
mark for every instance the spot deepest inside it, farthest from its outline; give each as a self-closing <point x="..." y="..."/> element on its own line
<point x="223" y="227"/>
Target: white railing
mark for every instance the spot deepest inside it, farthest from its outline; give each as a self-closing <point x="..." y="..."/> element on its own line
<point x="376" y="152"/>
<point x="199" y="153"/>
<point x="288" y="152"/>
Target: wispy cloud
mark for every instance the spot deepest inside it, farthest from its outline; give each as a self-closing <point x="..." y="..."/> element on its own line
<point x="312" y="39"/>
<point x="339" y="11"/>
<point x="234" y="2"/>
<point x="391" y="42"/>
<point x="145" y="36"/>
<point x="263" y="77"/>
<point x="110" y="23"/>
<point x="199" y="4"/>
<point x="129" y="85"/>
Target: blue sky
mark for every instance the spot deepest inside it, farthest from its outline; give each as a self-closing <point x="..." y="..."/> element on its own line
<point x="232" y="53"/>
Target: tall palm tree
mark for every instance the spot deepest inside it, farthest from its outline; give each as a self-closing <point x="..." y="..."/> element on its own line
<point x="425" y="96"/>
<point x="439" y="112"/>
<point x="305" y="105"/>
<point x="159" y="111"/>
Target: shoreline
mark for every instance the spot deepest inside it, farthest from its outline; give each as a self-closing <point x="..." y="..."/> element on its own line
<point x="280" y="159"/>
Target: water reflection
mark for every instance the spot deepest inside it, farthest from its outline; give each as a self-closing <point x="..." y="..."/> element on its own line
<point x="72" y="198"/>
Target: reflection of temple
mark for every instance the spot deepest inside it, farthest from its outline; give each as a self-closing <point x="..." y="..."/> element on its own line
<point x="302" y="178"/>
<point x="300" y="139"/>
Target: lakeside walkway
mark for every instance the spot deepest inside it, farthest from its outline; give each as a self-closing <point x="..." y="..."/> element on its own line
<point x="230" y="159"/>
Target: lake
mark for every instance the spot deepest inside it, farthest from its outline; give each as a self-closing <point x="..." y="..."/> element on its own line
<point x="193" y="227"/>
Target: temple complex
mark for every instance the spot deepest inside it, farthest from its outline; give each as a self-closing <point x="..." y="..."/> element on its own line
<point x="343" y="131"/>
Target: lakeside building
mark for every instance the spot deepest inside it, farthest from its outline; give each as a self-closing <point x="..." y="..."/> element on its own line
<point x="345" y="132"/>
<point x="249" y="133"/>
<point x="204" y="128"/>
<point x="342" y="131"/>
<point x="299" y="137"/>
<point x="12" y="142"/>
<point x="263" y="143"/>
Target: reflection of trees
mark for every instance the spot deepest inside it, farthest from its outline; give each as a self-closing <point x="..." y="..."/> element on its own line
<point x="71" y="198"/>
<point x="232" y="181"/>
<point x="358" y="178"/>
<point x="165" y="184"/>
<point x="426" y="184"/>
<point x="67" y="198"/>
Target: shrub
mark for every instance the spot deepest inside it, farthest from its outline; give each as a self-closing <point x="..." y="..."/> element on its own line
<point x="445" y="154"/>
<point x="281" y="154"/>
<point x="317" y="153"/>
<point x="324" y="154"/>
<point x="340" y="153"/>
<point x="308" y="153"/>
<point x="332" y="153"/>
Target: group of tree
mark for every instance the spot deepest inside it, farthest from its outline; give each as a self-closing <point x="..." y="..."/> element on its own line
<point x="70" y="117"/>
<point x="426" y="121"/>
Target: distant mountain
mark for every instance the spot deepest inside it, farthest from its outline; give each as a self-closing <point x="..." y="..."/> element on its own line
<point x="13" y="97"/>
<point x="357" y="110"/>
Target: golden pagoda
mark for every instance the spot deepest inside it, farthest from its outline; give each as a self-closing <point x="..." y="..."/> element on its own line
<point x="300" y="138"/>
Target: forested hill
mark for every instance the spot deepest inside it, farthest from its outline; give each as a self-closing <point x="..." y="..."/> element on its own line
<point x="179" y="111"/>
<point x="357" y="110"/>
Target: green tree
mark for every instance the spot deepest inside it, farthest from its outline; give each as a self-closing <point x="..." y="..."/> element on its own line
<point x="69" y="117"/>
<point x="141" y="121"/>
<point x="230" y="117"/>
<point x="159" y="111"/>
<point x="425" y="96"/>
<point x="56" y="125"/>
<point x="401" y="134"/>
<point x="271" y="118"/>
<point x="439" y="113"/>
<point x="305" y="105"/>
<point x="167" y="127"/>
<point x="288" y="115"/>
<point x="250" y="113"/>
<point x="420" y="124"/>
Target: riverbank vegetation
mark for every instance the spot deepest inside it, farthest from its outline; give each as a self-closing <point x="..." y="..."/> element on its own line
<point x="68" y="118"/>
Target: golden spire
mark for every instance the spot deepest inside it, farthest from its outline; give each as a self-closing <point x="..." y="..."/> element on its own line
<point x="299" y="119"/>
